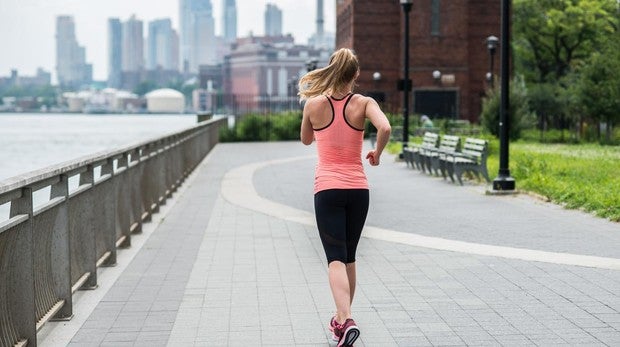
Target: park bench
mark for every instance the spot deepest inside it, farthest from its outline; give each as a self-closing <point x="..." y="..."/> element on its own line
<point x="431" y="157"/>
<point x="472" y="158"/>
<point x="419" y="131"/>
<point x="411" y="154"/>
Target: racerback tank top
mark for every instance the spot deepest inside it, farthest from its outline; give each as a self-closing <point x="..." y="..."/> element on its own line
<point x="339" y="147"/>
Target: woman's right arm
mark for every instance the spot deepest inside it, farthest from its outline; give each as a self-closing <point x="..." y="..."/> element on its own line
<point x="379" y="120"/>
<point x="307" y="133"/>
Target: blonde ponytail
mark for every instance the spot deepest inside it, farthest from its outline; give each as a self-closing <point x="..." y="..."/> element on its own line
<point x="342" y="69"/>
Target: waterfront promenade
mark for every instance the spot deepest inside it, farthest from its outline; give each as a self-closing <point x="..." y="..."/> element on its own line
<point x="234" y="260"/>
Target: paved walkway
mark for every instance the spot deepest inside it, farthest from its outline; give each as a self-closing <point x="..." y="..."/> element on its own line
<point x="236" y="261"/>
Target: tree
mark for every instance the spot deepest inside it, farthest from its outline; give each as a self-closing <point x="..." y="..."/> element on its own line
<point x="598" y="88"/>
<point x="186" y="88"/>
<point x="552" y="35"/>
<point x="545" y="102"/>
<point x="520" y="115"/>
<point x="145" y="87"/>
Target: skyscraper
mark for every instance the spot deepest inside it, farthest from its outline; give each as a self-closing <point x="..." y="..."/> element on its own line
<point x="133" y="43"/>
<point x="197" y="43"/>
<point x="162" y="48"/>
<point x="204" y="35"/>
<point x="115" y="52"/>
<point x="185" y="34"/>
<point x="71" y="64"/>
<point x="229" y="24"/>
<point x="273" y="20"/>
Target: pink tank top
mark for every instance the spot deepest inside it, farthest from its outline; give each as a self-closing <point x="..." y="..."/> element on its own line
<point x="339" y="147"/>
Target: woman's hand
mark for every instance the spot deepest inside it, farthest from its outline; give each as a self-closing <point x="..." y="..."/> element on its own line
<point x="373" y="158"/>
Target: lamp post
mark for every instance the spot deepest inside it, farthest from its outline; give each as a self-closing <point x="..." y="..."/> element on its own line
<point x="492" y="42"/>
<point x="292" y="89"/>
<point x="312" y="64"/>
<point x="376" y="76"/>
<point x="437" y="76"/>
<point x="503" y="182"/>
<point x="406" y="84"/>
<point x="377" y="94"/>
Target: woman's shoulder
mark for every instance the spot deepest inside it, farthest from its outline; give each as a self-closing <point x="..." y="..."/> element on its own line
<point x="361" y="100"/>
<point x="316" y="100"/>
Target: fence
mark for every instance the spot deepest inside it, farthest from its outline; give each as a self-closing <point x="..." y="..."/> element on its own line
<point x="242" y="104"/>
<point x="47" y="252"/>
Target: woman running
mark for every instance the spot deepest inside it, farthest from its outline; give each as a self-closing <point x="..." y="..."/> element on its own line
<point x="335" y="118"/>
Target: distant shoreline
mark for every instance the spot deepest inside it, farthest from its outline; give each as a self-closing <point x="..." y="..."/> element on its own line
<point x="100" y="113"/>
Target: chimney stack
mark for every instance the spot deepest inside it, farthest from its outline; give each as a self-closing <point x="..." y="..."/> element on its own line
<point x="319" y="21"/>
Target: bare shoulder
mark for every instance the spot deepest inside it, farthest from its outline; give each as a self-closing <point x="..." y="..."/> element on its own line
<point x="362" y="102"/>
<point x="315" y="102"/>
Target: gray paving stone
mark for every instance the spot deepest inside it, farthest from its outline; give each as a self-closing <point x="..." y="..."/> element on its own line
<point x="216" y="274"/>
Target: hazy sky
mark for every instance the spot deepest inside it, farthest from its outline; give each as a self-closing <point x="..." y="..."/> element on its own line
<point x="27" y="27"/>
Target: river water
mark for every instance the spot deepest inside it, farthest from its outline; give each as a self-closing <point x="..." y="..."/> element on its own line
<point x="31" y="142"/>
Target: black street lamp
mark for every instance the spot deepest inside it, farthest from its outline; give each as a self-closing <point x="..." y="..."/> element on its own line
<point x="437" y="77"/>
<point x="503" y="182"/>
<point x="292" y="92"/>
<point x="376" y="76"/>
<point x="312" y="64"/>
<point x="492" y="42"/>
<point x="406" y="82"/>
<point x="377" y="94"/>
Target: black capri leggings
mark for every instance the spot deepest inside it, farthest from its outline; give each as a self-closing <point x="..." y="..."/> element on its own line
<point x="340" y="217"/>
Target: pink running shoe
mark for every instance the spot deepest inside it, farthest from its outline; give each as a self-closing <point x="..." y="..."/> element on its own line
<point x="332" y="325"/>
<point x="347" y="332"/>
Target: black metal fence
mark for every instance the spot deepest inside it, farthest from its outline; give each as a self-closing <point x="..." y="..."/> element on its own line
<point x="242" y="104"/>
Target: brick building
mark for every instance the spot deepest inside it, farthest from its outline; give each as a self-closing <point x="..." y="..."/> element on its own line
<point x="448" y="55"/>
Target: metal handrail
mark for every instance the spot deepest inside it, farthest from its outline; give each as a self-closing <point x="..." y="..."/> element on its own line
<point x="49" y="251"/>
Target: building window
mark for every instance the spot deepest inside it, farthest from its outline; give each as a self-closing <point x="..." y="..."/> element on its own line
<point x="436" y="103"/>
<point x="435" y="18"/>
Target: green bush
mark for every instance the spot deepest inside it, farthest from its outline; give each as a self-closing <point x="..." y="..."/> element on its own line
<point x="255" y="127"/>
<point x="285" y="127"/>
<point x="520" y="115"/>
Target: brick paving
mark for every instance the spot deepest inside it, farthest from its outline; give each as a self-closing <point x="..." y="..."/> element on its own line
<point x="216" y="272"/>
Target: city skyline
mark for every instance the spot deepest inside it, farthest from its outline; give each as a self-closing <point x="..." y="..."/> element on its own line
<point x="33" y="21"/>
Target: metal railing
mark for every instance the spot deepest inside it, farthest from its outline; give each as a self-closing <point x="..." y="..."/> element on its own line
<point x="49" y="251"/>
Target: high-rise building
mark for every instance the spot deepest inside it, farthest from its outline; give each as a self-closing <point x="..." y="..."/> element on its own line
<point x="126" y="53"/>
<point x="204" y="36"/>
<point x="273" y="20"/>
<point x="115" y="52"/>
<point x="133" y="45"/>
<point x="71" y="66"/>
<point x="162" y="47"/>
<point x="197" y="37"/>
<point x="229" y="24"/>
<point x="185" y="34"/>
